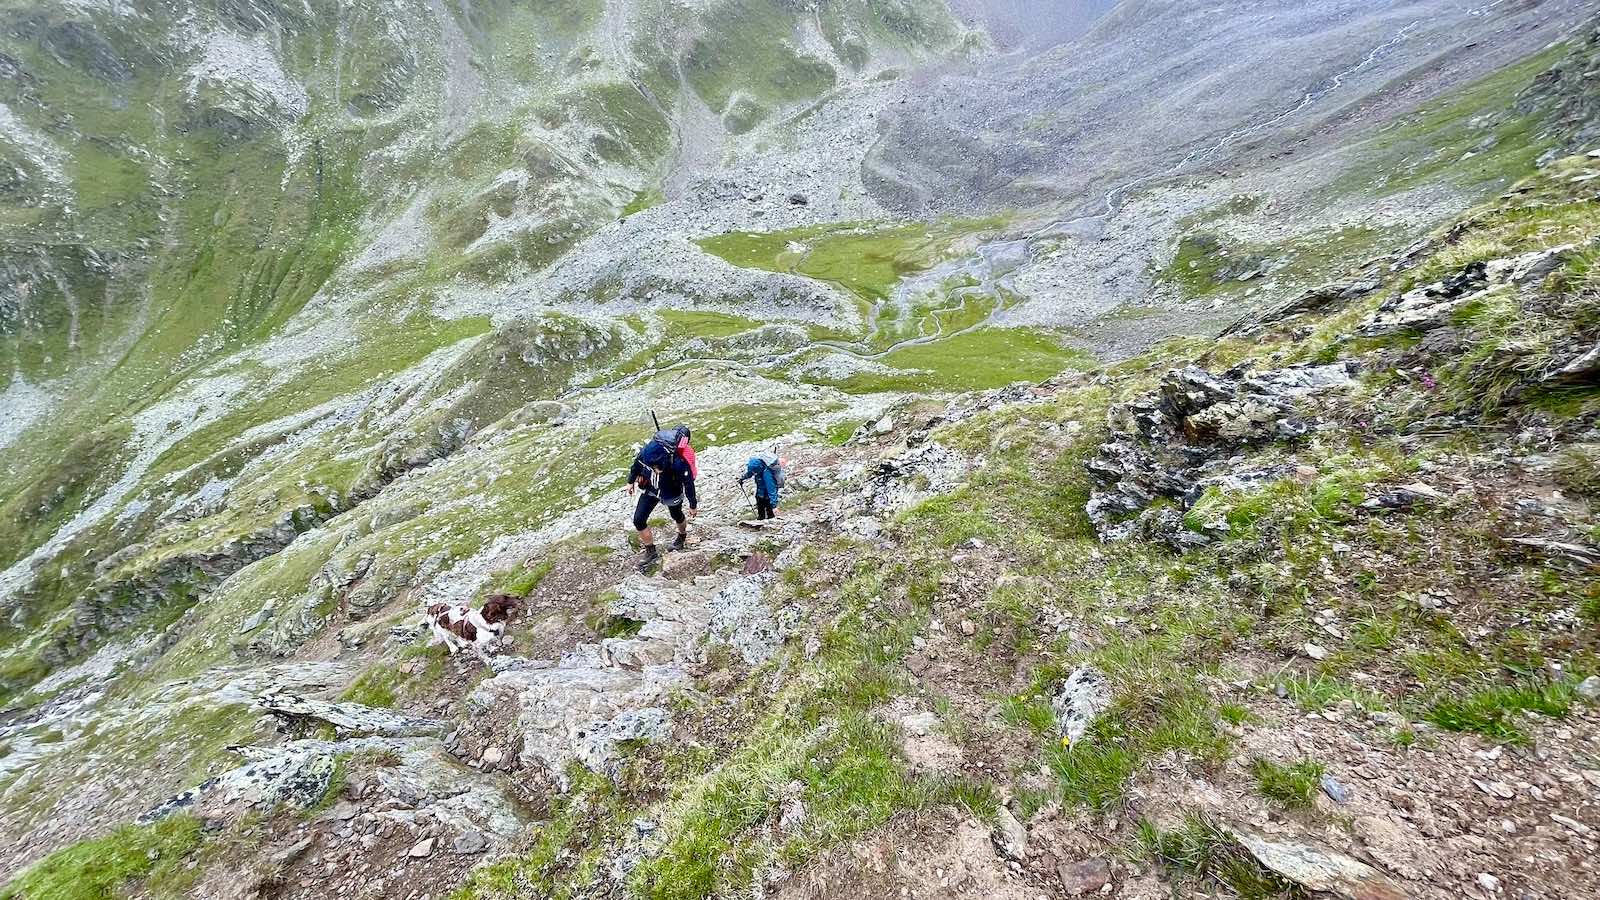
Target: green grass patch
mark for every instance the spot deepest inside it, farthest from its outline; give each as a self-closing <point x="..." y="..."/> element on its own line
<point x="1094" y="771"/>
<point x="975" y="360"/>
<point x="1472" y="136"/>
<point x="748" y="52"/>
<point x="1294" y="785"/>
<point x="866" y="260"/>
<point x="1495" y="712"/>
<point x="522" y="580"/>
<point x="405" y="343"/>
<point x="378" y="686"/>
<point x="1235" y="714"/>
<point x="105" y="868"/>
<point x="1316" y="691"/>
<point x="1205" y="264"/>
<point x="643" y="200"/>
<point x="676" y="328"/>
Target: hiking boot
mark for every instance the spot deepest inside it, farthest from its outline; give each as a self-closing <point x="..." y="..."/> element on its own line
<point x="651" y="557"/>
<point x="681" y="541"/>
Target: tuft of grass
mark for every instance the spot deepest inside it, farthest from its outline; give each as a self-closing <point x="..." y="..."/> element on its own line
<point x="1403" y="737"/>
<point x="1235" y="714"/>
<point x="377" y="686"/>
<point x="1293" y="785"/>
<point x="618" y="627"/>
<point x="521" y="581"/>
<point x="1494" y="711"/>
<point x="1577" y="470"/>
<point x="1316" y="691"/>
<point x="1141" y="725"/>
<point x="1031" y="712"/>
<point x="102" y="868"/>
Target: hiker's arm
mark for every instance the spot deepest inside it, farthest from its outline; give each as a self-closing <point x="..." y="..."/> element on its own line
<point x="688" y="487"/>
<point x="635" y="472"/>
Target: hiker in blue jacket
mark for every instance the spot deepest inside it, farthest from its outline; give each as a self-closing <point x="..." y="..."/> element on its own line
<point x="664" y="476"/>
<point x="764" y="468"/>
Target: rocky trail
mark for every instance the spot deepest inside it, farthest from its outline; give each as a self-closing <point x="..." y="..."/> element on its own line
<point x="467" y="784"/>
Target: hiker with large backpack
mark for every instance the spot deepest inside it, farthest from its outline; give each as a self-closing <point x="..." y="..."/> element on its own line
<point x="664" y="471"/>
<point x="767" y="470"/>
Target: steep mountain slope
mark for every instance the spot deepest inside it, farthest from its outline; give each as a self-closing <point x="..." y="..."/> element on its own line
<point x="315" y="314"/>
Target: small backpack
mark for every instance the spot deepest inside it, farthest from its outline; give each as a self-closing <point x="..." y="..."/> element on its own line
<point x="686" y="451"/>
<point x="775" y="466"/>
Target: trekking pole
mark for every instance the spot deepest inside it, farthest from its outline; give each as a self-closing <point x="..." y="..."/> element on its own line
<point x="655" y="420"/>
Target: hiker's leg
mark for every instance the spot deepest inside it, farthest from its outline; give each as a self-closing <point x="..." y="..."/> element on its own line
<point x="641" y="520"/>
<point x="763" y="508"/>
<point x="682" y="540"/>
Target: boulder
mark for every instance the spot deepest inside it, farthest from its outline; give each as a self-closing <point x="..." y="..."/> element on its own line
<point x="1086" y="876"/>
<point x="1010" y="836"/>
<point x="348" y="718"/>
<point x="902" y="481"/>
<point x="1589" y="688"/>
<point x="1583" y="367"/>
<point x="1528" y="268"/>
<point x="598" y="695"/>
<point x="1429" y="306"/>
<point x="468" y="843"/>
<point x="1318" y="869"/>
<point x="1311" y="300"/>
<point x="1082" y="698"/>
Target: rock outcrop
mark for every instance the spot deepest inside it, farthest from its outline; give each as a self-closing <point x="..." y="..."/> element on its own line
<point x="1173" y="443"/>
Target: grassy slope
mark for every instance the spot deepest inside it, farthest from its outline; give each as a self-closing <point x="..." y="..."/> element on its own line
<point x="1191" y="608"/>
<point x="867" y="262"/>
<point x="1474" y="139"/>
<point x="1196" y="614"/>
<point x="1251" y="595"/>
<point x="1200" y="618"/>
<point x="106" y="867"/>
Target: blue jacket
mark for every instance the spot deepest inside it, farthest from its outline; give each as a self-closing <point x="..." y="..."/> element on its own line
<point x="765" y="487"/>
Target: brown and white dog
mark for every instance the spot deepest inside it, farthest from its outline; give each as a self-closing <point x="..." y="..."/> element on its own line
<point x="460" y="627"/>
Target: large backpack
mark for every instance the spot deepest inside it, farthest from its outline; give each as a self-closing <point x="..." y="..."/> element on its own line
<point x="657" y="454"/>
<point x="775" y="466"/>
